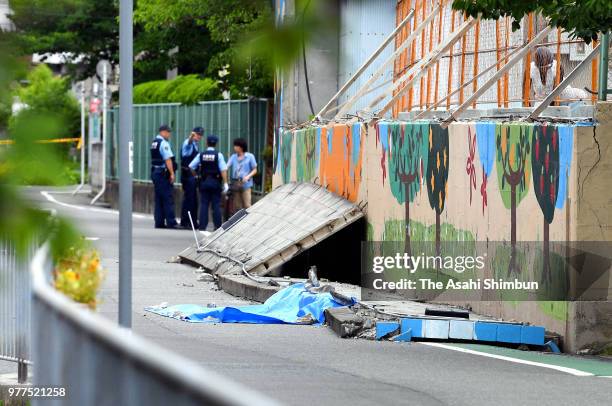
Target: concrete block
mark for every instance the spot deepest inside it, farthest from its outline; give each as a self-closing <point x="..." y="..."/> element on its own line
<point x="404" y="337"/>
<point x="461" y="329"/>
<point x="437" y="329"/>
<point x="384" y="328"/>
<point x="241" y="286"/>
<point x="509" y="333"/>
<point x="533" y="335"/>
<point x="415" y="325"/>
<point x="485" y="331"/>
<point x="343" y="321"/>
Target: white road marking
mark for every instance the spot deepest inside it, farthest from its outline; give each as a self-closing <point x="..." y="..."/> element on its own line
<point x="571" y="371"/>
<point x="52" y="199"/>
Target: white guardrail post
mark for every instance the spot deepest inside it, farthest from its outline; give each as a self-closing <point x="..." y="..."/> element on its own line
<point x="100" y="363"/>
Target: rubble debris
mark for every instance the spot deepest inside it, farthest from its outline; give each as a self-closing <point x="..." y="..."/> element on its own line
<point x="287" y="221"/>
<point x="206" y="277"/>
<point x="174" y="260"/>
<point x="294" y="304"/>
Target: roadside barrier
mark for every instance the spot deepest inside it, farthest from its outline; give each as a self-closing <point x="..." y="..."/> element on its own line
<point x="14" y="309"/>
<point x="96" y="362"/>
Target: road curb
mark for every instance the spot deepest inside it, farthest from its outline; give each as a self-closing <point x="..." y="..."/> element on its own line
<point x="240" y="286"/>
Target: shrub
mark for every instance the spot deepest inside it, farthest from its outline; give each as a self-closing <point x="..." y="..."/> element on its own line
<point x="188" y="89"/>
<point x="79" y="274"/>
<point x="48" y="95"/>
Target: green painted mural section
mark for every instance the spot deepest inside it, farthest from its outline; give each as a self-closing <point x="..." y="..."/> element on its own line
<point x="285" y="155"/>
<point x="306" y="153"/>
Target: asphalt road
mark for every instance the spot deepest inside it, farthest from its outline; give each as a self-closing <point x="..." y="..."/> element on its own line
<point x="303" y="365"/>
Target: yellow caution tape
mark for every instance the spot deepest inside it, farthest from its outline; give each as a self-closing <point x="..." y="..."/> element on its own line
<point x="52" y="141"/>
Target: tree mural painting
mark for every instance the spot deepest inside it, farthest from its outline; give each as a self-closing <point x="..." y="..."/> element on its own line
<point x="437" y="173"/>
<point x="307" y="144"/>
<point x="513" y="164"/>
<point x="545" y="167"/>
<point x="285" y="155"/>
<point x="341" y="159"/>
<point x="408" y="154"/>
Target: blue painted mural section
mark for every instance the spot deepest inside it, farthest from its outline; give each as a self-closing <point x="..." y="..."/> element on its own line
<point x="566" y="144"/>
<point x="485" y="139"/>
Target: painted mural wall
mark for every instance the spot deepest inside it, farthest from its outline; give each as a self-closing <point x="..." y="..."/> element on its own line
<point x="481" y="181"/>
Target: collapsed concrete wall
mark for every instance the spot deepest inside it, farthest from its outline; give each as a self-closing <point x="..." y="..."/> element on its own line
<point x="486" y="181"/>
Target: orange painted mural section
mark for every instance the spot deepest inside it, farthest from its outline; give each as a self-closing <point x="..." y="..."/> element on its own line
<point x="340" y="169"/>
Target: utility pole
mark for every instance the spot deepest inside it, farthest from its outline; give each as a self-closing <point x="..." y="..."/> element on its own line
<point x="82" y="143"/>
<point x="104" y="69"/>
<point x="126" y="55"/>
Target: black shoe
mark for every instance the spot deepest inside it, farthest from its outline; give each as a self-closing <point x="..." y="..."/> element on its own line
<point x="162" y="226"/>
<point x="173" y="227"/>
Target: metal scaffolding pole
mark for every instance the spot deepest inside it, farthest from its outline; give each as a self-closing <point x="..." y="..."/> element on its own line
<point x="603" y="67"/>
<point x="568" y="79"/>
<point x="420" y="68"/>
<point x="381" y="69"/>
<point x="367" y="63"/>
<point x="493" y="79"/>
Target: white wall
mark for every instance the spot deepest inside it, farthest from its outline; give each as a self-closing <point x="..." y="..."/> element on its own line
<point x="5" y="23"/>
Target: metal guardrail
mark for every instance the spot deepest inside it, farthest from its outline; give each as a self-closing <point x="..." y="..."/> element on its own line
<point x="99" y="363"/>
<point x="14" y="309"/>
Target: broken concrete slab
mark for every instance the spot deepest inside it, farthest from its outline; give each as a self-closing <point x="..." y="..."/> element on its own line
<point x="287" y="221"/>
<point x="241" y="286"/>
<point x="365" y="320"/>
<point x="344" y="321"/>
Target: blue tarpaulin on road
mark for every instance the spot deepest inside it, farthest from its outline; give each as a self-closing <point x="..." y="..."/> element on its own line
<point x="291" y="305"/>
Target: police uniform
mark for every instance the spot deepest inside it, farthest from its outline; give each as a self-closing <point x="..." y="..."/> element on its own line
<point x="164" y="199"/>
<point x="209" y="164"/>
<point x="190" y="195"/>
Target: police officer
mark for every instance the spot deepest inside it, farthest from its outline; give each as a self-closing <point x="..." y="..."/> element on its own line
<point x="163" y="166"/>
<point x="190" y="195"/>
<point x="212" y="169"/>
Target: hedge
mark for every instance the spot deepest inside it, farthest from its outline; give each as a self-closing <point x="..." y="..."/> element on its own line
<point x="188" y="89"/>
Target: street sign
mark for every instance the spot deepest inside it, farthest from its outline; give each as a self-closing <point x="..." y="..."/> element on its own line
<point x="104" y="68"/>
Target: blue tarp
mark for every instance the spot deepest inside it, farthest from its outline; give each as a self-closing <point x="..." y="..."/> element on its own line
<point x="291" y="305"/>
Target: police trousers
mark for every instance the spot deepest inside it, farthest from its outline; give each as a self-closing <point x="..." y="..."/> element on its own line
<point x="190" y="199"/>
<point x="164" y="199"/>
<point x="210" y="195"/>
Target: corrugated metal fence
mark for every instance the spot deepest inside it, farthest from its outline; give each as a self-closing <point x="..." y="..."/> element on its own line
<point x="227" y="119"/>
<point x="14" y="308"/>
<point x="364" y="24"/>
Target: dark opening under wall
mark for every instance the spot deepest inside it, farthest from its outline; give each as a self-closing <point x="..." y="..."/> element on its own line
<point x="337" y="258"/>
